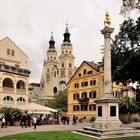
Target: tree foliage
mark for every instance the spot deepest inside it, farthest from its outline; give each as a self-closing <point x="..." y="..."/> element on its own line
<point x="58" y="102"/>
<point x="10" y="114"/>
<point x="126" y="52"/>
<point x="129" y="5"/>
<point x="128" y="106"/>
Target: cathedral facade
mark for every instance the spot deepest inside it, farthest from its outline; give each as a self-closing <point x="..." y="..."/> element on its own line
<point x="57" y="70"/>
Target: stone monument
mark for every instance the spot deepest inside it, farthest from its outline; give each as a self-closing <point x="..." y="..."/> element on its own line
<point x="107" y="106"/>
<point x="107" y="123"/>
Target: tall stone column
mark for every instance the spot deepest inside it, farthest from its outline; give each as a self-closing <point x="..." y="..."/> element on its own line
<point x="107" y="60"/>
<point x="107" y="115"/>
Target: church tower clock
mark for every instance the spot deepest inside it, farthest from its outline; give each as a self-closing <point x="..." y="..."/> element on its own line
<point x="66" y="60"/>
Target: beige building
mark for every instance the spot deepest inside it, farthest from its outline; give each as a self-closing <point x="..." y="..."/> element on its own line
<point x="35" y="93"/>
<point x="57" y="70"/>
<point x="13" y="75"/>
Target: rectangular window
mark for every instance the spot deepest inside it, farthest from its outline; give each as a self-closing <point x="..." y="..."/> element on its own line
<point x="92" y="107"/>
<point x="84" y="95"/>
<point x="86" y="83"/>
<point x="84" y="71"/>
<point x="92" y="94"/>
<point x="76" y="108"/>
<point x="99" y="111"/>
<point x="112" y="111"/>
<point x="75" y="96"/>
<point x="76" y="85"/>
<point x="84" y="107"/>
<point x="90" y="72"/>
<point x="93" y="82"/>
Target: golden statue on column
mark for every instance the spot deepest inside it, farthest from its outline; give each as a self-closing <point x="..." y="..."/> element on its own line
<point x="107" y="20"/>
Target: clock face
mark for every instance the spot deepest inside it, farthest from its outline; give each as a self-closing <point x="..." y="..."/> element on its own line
<point x="62" y="73"/>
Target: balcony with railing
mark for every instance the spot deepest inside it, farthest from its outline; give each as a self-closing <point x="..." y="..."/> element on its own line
<point x="15" y="70"/>
<point x="8" y="89"/>
<point x="83" y="100"/>
<point x="21" y="91"/>
<point x="11" y="90"/>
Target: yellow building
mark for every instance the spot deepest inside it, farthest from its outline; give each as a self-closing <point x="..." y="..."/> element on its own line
<point x="83" y="89"/>
<point x="85" y="86"/>
<point x="13" y="75"/>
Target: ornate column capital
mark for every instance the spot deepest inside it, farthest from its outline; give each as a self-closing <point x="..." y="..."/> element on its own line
<point x="107" y="31"/>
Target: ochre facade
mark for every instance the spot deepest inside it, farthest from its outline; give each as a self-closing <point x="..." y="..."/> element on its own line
<point x="85" y="86"/>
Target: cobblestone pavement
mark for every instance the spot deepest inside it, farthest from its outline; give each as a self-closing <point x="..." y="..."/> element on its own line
<point x="60" y="127"/>
<point x="10" y="130"/>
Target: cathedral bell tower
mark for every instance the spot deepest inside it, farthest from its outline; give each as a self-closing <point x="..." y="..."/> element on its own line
<point x="51" y="53"/>
<point x="50" y="70"/>
<point x="66" y="60"/>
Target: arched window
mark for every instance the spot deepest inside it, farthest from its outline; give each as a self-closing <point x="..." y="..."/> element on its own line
<point x="7" y="82"/>
<point x="13" y="53"/>
<point x="8" y="100"/>
<point x="55" y="90"/>
<point x="20" y="84"/>
<point x="8" y="51"/>
<point x="54" y="73"/>
<point x="70" y="65"/>
<point x="20" y="101"/>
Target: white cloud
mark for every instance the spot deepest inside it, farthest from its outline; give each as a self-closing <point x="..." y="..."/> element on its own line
<point x="29" y="22"/>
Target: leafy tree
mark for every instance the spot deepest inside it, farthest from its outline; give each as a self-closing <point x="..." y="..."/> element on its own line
<point x="126" y="52"/>
<point x="10" y="114"/>
<point x="128" y="106"/>
<point x="129" y="5"/>
<point x="59" y="101"/>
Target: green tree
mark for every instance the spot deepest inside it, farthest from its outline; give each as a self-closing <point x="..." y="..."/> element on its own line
<point x="126" y="52"/>
<point x="10" y="114"/>
<point x="128" y="106"/>
<point x="129" y="5"/>
<point x="58" y="102"/>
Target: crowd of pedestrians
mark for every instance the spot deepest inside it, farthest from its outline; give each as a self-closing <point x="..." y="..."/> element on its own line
<point x="28" y="120"/>
<point x="75" y="120"/>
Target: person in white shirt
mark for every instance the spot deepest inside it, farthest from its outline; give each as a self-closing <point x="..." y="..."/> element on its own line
<point x="34" y="122"/>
